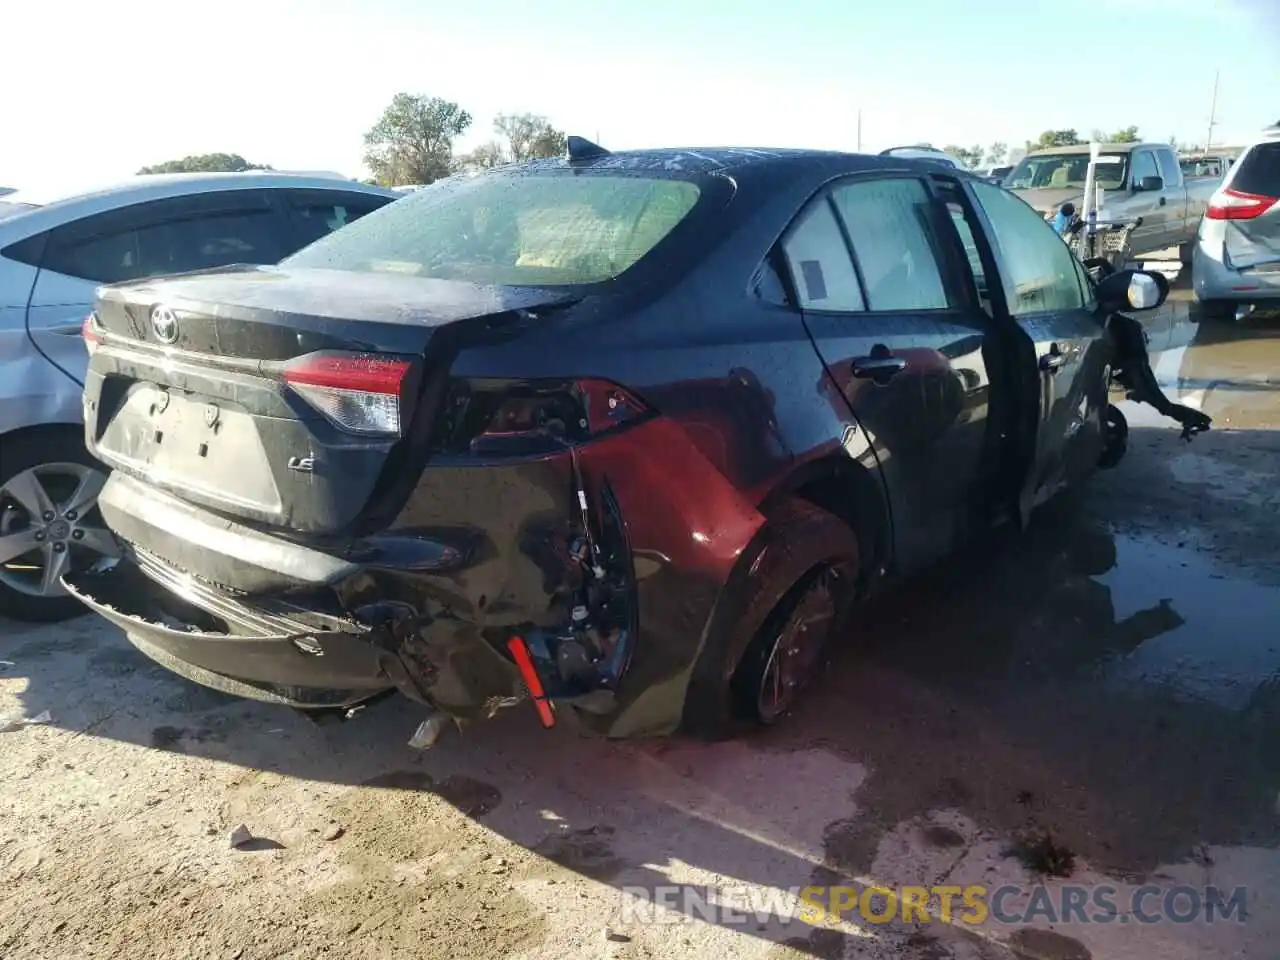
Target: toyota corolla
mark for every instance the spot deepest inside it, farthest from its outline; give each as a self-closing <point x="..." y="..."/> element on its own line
<point x="623" y="434"/>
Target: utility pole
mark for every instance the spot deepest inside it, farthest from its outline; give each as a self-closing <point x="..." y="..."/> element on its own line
<point x="1213" y="113"/>
<point x="859" y="131"/>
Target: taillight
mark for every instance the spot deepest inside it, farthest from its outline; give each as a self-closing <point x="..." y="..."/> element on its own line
<point x="532" y="417"/>
<point x="358" y="393"/>
<point x="89" y="331"/>
<point x="1228" y="204"/>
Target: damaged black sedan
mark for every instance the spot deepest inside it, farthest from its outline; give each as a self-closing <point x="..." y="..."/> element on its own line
<point x="623" y="434"/>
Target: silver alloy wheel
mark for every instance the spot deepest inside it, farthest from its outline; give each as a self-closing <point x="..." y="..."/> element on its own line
<point x="49" y="526"/>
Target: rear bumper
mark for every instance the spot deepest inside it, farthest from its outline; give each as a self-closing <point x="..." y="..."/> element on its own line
<point x="247" y="653"/>
<point x="189" y="538"/>
<point x="1212" y="279"/>
<point x="299" y="627"/>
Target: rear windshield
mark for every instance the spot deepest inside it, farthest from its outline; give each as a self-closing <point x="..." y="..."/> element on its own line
<point x="522" y="229"/>
<point x="1258" y="171"/>
<point x="1194" y="168"/>
<point x="1061" y="170"/>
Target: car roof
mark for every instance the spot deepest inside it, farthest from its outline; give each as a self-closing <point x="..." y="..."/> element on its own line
<point x="1213" y="152"/>
<point x="923" y="153"/>
<point x="52" y="209"/>
<point x="1104" y="147"/>
<point x="754" y="162"/>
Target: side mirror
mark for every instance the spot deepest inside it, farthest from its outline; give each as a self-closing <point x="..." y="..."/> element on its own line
<point x="1128" y="290"/>
<point x="1151" y="183"/>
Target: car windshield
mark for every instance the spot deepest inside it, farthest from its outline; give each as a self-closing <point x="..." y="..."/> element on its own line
<point x="524" y="229"/>
<point x="1066" y="170"/>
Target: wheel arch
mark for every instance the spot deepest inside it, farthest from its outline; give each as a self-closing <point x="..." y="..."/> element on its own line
<point x="855" y="494"/>
<point x="35" y="432"/>
<point x="797" y="537"/>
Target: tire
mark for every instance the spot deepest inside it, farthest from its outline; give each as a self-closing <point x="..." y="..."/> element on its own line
<point x="1214" y="311"/>
<point x="808" y="569"/>
<point x="1185" y="252"/>
<point x="68" y="481"/>
<point x="1116" y="431"/>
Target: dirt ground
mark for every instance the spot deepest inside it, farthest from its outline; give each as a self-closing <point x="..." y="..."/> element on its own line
<point x="1107" y="684"/>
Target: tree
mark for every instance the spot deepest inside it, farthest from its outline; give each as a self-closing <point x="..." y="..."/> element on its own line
<point x="971" y="157"/>
<point x="412" y="142"/>
<point x="997" y="153"/>
<point x="206" y="163"/>
<point x="484" y="157"/>
<point x="523" y="136"/>
<point x="1127" y="135"/>
<point x="1055" y="138"/>
<point x="529" y="136"/>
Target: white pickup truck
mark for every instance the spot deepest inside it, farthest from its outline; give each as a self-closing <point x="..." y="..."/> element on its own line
<point x="1138" y="179"/>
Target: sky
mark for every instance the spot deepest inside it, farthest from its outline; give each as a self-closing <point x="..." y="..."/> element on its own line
<point x="91" y="91"/>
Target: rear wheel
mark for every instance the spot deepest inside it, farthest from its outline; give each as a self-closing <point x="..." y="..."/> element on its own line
<point x="768" y="642"/>
<point x="49" y="523"/>
<point x="1116" y="437"/>
<point x="785" y="656"/>
<point x="1185" y="252"/>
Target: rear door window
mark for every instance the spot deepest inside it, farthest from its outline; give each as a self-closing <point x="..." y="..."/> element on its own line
<point x="1258" y="171"/>
<point x="317" y="213"/>
<point x="169" y="236"/>
<point x="818" y="258"/>
<point x="892" y="229"/>
<point x="1040" y="272"/>
<point x="211" y="240"/>
<point x="104" y="259"/>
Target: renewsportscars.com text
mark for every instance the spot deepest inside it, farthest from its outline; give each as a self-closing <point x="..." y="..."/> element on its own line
<point x="1008" y="904"/>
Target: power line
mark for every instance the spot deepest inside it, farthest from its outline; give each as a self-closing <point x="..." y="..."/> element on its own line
<point x="1213" y="113"/>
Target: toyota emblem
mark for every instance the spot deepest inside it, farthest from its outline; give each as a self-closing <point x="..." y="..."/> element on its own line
<point x="164" y="323"/>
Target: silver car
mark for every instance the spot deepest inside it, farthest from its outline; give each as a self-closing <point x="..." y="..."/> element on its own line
<point x="54" y="253"/>
<point x="924" y="153"/>
<point x="1236" y="262"/>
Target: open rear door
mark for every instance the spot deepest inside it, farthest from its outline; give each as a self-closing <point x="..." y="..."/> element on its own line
<point x="1057" y="350"/>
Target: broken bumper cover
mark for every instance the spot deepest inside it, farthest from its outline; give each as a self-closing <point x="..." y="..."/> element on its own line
<point x="274" y="660"/>
<point x="297" y="646"/>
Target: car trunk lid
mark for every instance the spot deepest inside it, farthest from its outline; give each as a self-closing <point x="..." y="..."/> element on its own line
<point x="270" y="313"/>
<point x="279" y="396"/>
<point x="1254" y="245"/>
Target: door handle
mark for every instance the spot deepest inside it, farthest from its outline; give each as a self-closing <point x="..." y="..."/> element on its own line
<point x="1163" y="201"/>
<point x="878" y="367"/>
